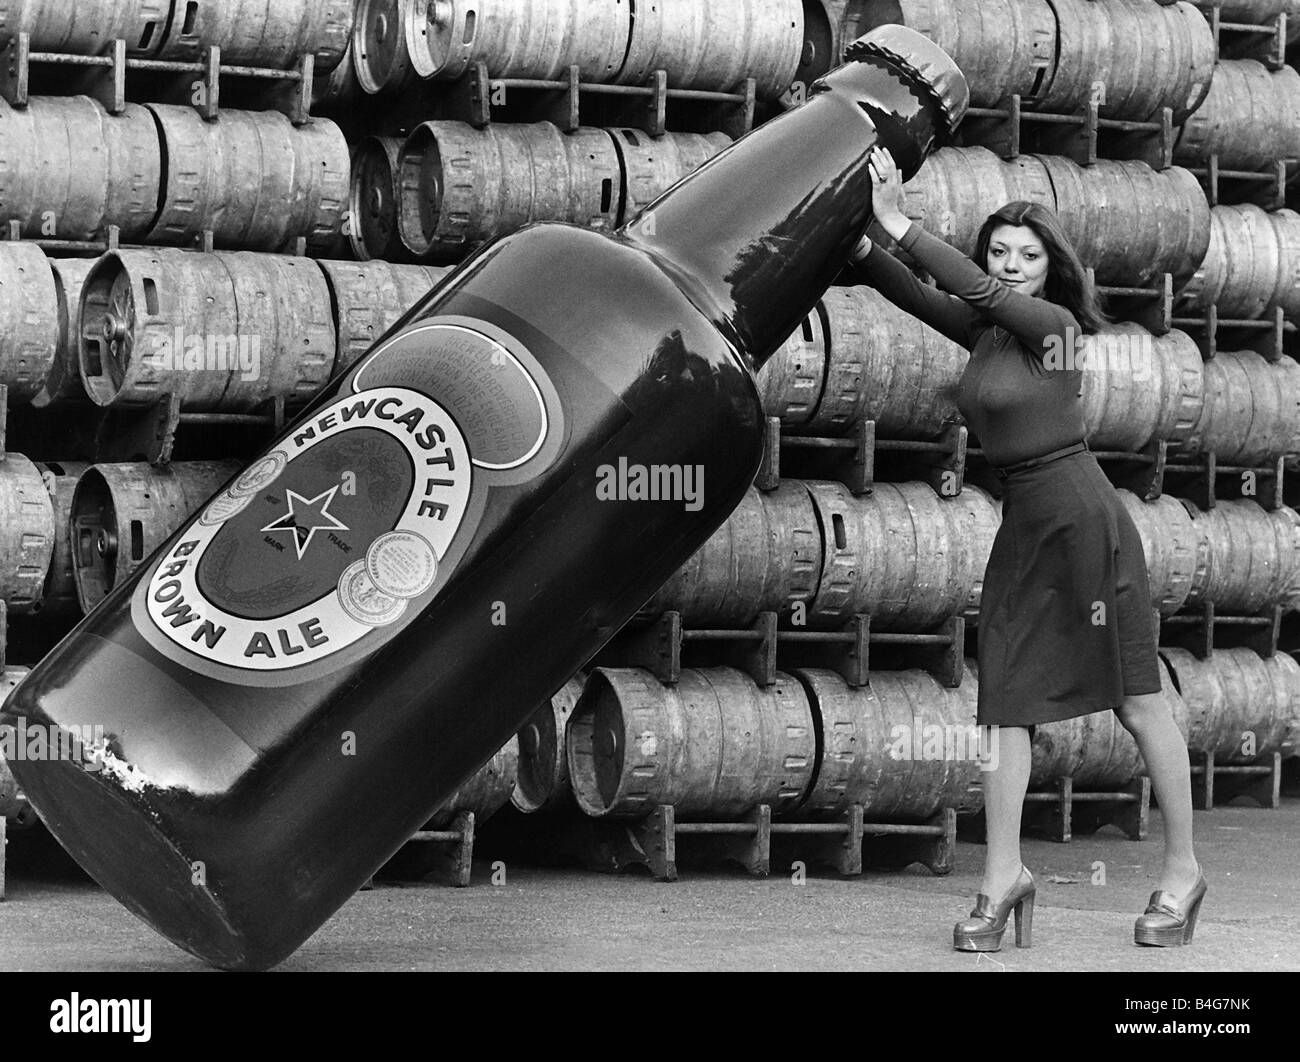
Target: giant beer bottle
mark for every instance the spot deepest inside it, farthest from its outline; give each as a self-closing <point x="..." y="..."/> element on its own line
<point x="297" y="678"/>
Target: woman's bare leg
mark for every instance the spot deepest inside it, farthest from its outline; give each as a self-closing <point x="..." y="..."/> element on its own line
<point x="1147" y="717"/>
<point x="1004" y="798"/>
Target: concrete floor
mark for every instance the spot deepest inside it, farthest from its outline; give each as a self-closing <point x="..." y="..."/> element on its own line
<point x="719" y="919"/>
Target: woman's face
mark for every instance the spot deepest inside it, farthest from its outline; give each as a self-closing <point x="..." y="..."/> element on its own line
<point x="1017" y="257"/>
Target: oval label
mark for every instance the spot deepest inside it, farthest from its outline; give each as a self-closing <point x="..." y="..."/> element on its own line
<point x="283" y="576"/>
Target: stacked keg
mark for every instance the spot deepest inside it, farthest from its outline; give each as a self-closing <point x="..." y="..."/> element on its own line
<point x="397" y="43"/>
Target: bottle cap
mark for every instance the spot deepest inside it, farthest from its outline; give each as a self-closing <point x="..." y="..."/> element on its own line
<point x="932" y="67"/>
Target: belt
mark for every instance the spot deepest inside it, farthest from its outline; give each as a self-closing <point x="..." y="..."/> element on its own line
<point x="1006" y="470"/>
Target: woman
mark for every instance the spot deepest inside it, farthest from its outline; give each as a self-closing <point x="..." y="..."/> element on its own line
<point x="1065" y="617"/>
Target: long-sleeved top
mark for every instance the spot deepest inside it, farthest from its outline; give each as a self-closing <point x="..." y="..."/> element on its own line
<point x="1020" y="391"/>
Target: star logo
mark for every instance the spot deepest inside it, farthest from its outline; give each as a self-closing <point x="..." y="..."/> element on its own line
<point x="305" y="517"/>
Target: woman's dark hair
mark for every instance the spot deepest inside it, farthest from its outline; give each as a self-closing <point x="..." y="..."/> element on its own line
<point x="1067" y="282"/>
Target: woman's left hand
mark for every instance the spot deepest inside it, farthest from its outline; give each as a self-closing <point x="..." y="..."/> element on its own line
<point x="886" y="183"/>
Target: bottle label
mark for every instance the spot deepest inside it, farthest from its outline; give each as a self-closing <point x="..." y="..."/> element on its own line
<point x="340" y="535"/>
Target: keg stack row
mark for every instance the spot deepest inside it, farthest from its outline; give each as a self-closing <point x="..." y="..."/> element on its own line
<point x="702" y="47"/>
<point x="617" y="743"/>
<point x="715" y="744"/>
<point x="158" y="173"/>
<point x="271" y="34"/>
<point x="449" y="187"/>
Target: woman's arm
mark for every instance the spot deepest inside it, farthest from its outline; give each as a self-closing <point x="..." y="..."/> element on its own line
<point x="945" y="313"/>
<point x="1040" y="324"/>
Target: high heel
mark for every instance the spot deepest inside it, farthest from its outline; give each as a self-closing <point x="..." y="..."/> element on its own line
<point x="1168" y="922"/>
<point x="983" y="930"/>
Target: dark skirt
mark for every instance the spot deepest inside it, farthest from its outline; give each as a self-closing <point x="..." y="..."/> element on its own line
<point x="1066" y="625"/>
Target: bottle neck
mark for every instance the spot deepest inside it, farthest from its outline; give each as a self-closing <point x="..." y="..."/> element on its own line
<point x="759" y="232"/>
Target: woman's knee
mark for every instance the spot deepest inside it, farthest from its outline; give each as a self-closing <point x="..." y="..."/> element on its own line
<point x="1142" y="711"/>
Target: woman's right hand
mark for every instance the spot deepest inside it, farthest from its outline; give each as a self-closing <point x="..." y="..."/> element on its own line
<point x="886" y="184"/>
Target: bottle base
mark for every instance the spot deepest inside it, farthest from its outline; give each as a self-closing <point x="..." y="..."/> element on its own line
<point x="110" y="833"/>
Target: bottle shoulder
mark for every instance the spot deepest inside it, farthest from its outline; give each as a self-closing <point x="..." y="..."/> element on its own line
<point x="599" y="295"/>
